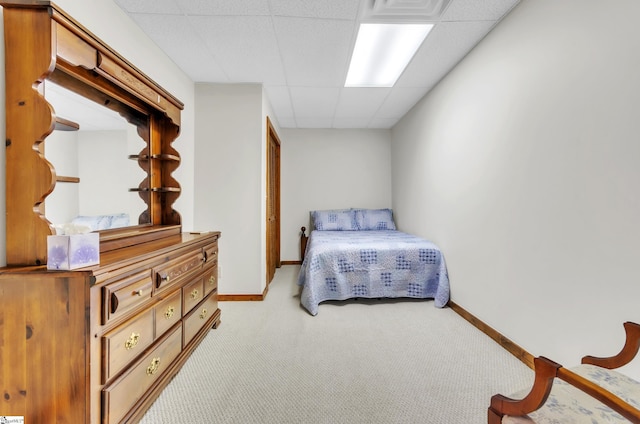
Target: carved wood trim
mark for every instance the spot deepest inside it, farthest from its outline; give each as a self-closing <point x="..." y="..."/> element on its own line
<point x="29" y="119"/>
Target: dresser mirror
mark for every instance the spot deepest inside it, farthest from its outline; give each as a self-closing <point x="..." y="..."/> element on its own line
<point x="131" y="164"/>
<point x="88" y="143"/>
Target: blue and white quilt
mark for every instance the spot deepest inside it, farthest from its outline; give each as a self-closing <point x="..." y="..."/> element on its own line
<point x="340" y="265"/>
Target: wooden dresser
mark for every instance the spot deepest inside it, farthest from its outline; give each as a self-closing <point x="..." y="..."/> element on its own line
<point x="97" y="345"/>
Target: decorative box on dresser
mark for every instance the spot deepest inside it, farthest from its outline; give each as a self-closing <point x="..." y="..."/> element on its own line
<point x="95" y="344"/>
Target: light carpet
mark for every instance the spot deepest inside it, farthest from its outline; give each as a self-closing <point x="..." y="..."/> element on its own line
<point x="363" y="361"/>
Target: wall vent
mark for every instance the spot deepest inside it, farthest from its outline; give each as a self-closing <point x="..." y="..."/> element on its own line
<point x="403" y="10"/>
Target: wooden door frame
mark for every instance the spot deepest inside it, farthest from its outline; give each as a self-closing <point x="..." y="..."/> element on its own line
<point x="272" y="137"/>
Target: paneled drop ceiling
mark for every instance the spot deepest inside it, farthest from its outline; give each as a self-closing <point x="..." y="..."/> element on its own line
<point x="300" y="50"/>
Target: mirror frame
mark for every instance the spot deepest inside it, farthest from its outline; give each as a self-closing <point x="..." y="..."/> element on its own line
<point x="61" y="50"/>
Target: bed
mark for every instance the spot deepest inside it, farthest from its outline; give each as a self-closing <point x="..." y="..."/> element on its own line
<point x="359" y="253"/>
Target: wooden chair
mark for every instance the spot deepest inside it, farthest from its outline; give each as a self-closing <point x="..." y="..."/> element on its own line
<point x="546" y="371"/>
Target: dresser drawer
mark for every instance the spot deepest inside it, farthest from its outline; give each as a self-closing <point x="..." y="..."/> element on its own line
<point x="210" y="280"/>
<point x="168" y="312"/>
<point x="211" y="254"/>
<point x="126" y="294"/>
<point x="192" y="294"/>
<point x="199" y="317"/>
<point x="177" y="270"/>
<point x="120" y="397"/>
<point x="123" y="344"/>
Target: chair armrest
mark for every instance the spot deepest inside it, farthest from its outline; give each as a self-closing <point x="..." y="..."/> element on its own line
<point x="545" y="371"/>
<point x="626" y="355"/>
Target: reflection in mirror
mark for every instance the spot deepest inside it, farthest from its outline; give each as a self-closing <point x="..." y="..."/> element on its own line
<point x="90" y="155"/>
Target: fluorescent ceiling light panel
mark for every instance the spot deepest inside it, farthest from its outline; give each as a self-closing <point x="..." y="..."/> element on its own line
<point x="382" y="51"/>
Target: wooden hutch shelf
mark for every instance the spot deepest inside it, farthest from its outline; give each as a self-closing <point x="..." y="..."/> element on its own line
<point x="63" y="179"/>
<point x="161" y="156"/>
<point x="65" y="125"/>
<point x="157" y="189"/>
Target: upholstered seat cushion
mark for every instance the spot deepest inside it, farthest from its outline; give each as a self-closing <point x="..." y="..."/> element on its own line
<point x="568" y="405"/>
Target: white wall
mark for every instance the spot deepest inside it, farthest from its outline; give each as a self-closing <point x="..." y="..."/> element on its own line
<point x="320" y="169"/>
<point x="229" y="175"/>
<point x="108" y="22"/>
<point x="330" y="169"/>
<point x="523" y="165"/>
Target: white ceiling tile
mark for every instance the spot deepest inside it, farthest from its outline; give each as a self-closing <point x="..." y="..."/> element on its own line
<point x="351" y="122"/>
<point x="314" y="122"/>
<point x="474" y="10"/>
<point x="280" y="100"/>
<point x="325" y="9"/>
<point x="287" y="122"/>
<point x="315" y="52"/>
<point x="175" y="36"/>
<point x="399" y="102"/>
<point x="383" y="122"/>
<point x="311" y="102"/>
<point x="224" y="7"/>
<point x="244" y="46"/>
<point x="300" y="50"/>
<point x="149" y="6"/>
<point x="360" y="102"/>
<point x="202" y="69"/>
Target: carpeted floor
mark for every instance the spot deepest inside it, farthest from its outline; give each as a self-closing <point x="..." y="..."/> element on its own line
<point x="377" y="361"/>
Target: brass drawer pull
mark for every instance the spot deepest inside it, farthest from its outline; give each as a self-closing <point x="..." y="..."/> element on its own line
<point x="194" y="294"/>
<point x="169" y="312"/>
<point x="153" y="367"/>
<point x="133" y="340"/>
<point x="138" y="292"/>
<point x="203" y="314"/>
<point x="212" y="280"/>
